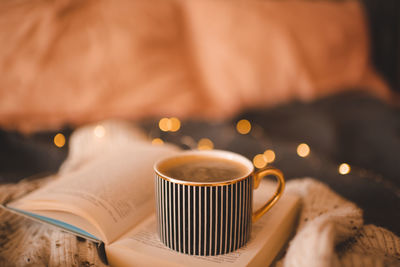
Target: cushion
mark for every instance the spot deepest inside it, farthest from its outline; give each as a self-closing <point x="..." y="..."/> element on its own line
<point x="72" y="62"/>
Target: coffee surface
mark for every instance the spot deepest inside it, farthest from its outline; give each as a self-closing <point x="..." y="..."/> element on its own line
<point x="203" y="169"/>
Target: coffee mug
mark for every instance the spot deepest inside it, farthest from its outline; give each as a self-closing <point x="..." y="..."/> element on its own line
<point x="204" y="200"/>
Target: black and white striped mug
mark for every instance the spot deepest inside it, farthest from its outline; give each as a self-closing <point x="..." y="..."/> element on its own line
<point x="204" y="200"/>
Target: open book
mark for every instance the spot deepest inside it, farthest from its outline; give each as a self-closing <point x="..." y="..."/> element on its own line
<point x="110" y="199"/>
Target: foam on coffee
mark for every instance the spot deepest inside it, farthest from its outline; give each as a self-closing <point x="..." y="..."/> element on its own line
<point x="199" y="168"/>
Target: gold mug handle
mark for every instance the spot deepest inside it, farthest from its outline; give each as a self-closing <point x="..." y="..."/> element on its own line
<point x="278" y="193"/>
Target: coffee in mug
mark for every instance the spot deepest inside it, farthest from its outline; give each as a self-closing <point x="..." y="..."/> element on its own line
<point x="204" y="201"/>
<point x="203" y="168"/>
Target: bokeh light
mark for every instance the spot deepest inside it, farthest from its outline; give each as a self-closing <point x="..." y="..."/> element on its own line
<point x="157" y="141"/>
<point x="344" y="168"/>
<point x="259" y="161"/>
<point x="169" y="124"/>
<point x="99" y="131"/>
<point x="175" y="124"/>
<point x="205" y="144"/>
<point x="269" y="155"/>
<point x="59" y="140"/>
<point x="243" y="126"/>
<point x="164" y="124"/>
<point x="303" y="150"/>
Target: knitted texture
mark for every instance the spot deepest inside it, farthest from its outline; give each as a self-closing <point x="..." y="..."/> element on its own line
<point x="331" y="232"/>
<point x="24" y="242"/>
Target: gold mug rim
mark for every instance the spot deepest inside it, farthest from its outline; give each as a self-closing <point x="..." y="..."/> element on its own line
<point x="214" y="152"/>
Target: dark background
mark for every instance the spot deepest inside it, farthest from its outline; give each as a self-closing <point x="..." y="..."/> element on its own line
<point x="384" y="24"/>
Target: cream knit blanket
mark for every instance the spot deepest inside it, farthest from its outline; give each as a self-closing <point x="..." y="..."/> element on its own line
<point x="330" y="230"/>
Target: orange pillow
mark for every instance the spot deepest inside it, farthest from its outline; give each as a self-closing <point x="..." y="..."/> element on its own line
<point x="75" y="62"/>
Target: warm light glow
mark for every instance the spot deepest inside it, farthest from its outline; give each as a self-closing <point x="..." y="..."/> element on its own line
<point x="157" y="141"/>
<point x="344" y="168"/>
<point x="205" y="144"/>
<point x="59" y="140"/>
<point x="259" y="161"/>
<point x="303" y="150"/>
<point x="243" y="126"/>
<point x="99" y="131"/>
<point x="269" y="155"/>
<point x="165" y="124"/>
<point x="175" y="124"/>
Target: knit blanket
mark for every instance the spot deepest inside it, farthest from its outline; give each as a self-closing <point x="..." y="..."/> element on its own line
<point x="330" y="231"/>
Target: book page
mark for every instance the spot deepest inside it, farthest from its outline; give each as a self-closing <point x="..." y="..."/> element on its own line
<point x="268" y="235"/>
<point x="114" y="192"/>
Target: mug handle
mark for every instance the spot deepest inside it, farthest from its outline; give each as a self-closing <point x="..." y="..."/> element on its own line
<point x="278" y="193"/>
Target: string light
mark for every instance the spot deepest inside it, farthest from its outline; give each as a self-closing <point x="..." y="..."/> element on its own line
<point x="175" y="124"/>
<point x="344" y="168"/>
<point x="169" y="124"/>
<point x="303" y="150"/>
<point x="157" y="141"/>
<point x="259" y="161"/>
<point x="269" y="155"/>
<point x="164" y="124"/>
<point x="99" y="131"/>
<point x="243" y="126"/>
<point x="205" y="144"/>
<point x="59" y="140"/>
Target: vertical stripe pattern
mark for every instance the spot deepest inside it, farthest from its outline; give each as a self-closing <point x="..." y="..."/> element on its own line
<point x="204" y="220"/>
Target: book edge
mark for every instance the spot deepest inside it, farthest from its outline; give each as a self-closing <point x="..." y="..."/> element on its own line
<point x="55" y="223"/>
